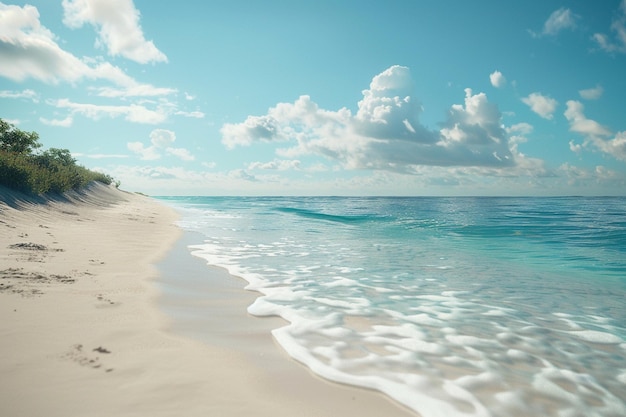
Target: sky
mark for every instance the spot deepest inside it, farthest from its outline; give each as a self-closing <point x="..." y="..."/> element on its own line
<point x="325" y="97"/>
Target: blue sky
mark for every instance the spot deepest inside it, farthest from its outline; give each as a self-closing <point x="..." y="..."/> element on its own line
<point x="342" y="97"/>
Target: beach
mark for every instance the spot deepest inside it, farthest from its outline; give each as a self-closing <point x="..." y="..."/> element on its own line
<point x="83" y="328"/>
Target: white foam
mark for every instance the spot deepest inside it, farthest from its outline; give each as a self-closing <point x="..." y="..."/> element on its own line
<point x="473" y="341"/>
<point x="596" y="336"/>
<point x="494" y="313"/>
<point x="341" y="282"/>
<point x="447" y="336"/>
<point x="425" y="319"/>
<point x="517" y="354"/>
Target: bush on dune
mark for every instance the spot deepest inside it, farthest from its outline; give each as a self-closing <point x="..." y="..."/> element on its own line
<point x="54" y="170"/>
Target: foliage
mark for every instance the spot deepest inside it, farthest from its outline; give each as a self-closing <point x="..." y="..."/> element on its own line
<point x="54" y="170"/>
<point x="18" y="141"/>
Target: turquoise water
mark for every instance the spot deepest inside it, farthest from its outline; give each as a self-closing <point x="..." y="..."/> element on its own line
<point x="451" y="306"/>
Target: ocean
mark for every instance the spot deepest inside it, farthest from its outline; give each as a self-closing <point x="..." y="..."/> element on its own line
<point x="455" y="306"/>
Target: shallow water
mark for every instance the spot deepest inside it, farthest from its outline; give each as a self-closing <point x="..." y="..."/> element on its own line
<point x="452" y="306"/>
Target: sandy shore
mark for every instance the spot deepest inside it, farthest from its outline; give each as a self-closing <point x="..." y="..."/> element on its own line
<point x="82" y="334"/>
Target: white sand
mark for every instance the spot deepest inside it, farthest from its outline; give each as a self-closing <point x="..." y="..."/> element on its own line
<point x="81" y="333"/>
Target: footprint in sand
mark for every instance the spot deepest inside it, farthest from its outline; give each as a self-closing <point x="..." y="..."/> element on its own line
<point x="79" y="356"/>
<point x="100" y="297"/>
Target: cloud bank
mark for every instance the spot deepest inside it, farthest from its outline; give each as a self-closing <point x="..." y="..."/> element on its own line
<point x="385" y="133"/>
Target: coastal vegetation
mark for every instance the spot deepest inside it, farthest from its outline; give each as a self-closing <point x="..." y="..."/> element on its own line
<point x="24" y="168"/>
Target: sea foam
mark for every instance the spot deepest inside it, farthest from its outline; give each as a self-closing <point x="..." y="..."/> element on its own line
<point x="453" y="307"/>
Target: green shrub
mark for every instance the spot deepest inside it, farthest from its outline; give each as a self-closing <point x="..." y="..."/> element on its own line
<point x="54" y="170"/>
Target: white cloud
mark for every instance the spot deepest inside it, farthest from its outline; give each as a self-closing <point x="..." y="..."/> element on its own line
<point x="517" y="134"/>
<point x="521" y="128"/>
<point x="193" y="114"/>
<point x="276" y="164"/>
<point x="388" y="110"/>
<point x="24" y="94"/>
<point x="584" y="177"/>
<point x="29" y="50"/>
<point x="67" y="122"/>
<point x="100" y="156"/>
<point x="544" y="106"/>
<point x="575" y="147"/>
<point x="618" y="27"/>
<point x="559" y="20"/>
<point x="145" y="112"/>
<point x="160" y="140"/>
<point x="579" y="122"/>
<point x="253" y="128"/>
<point x="180" y="153"/>
<point x="147" y="153"/>
<point x="117" y="24"/>
<point x="595" y="135"/>
<point x="133" y="113"/>
<point x="497" y="79"/>
<point x="385" y="133"/>
<point x="136" y="90"/>
<point x="615" y="146"/>
<point x="241" y="174"/>
<point x="592" y="93"/>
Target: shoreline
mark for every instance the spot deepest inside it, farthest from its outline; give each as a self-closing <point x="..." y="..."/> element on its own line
<point x="82" y="332"/>
<point x="210" y="305"/>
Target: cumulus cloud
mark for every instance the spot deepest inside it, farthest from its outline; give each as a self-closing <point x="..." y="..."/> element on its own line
<point x="595" y="135"/>
<point x="388" y="110"/>
<point x="560" y="20"/>
<point x="385" y="133"/>
<point x="579" y="122"/>
<point x="497" y="79"/>
<point x="592" y="93"/>
<point x="618" y="27"/>
<point x="160" y="141"/>
<point x="117" y="24"/>
<point x="29" y="50"/>
<point x="544" y="106"/>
